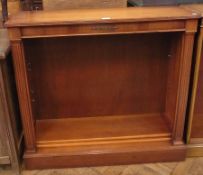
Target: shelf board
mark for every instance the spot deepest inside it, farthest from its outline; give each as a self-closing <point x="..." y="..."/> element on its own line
<point x="101" y="130"/>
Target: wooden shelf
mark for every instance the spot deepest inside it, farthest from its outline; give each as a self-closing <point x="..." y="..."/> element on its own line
<point x="102" y="129"/>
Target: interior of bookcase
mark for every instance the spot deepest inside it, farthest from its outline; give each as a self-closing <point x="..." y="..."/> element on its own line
<point x="103" y="88"/>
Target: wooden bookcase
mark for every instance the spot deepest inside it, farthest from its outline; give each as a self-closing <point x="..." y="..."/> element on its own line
<point x="195" y="122"/>
<point x="103" y="87"/>
<point x="11" y="135"/>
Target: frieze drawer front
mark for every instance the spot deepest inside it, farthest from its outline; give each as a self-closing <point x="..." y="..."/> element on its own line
<point x="92" y="29"/>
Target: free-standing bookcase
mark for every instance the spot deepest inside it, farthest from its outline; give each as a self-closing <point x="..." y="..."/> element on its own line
<point x="11" y="134"/>
<point x="195" y="122"/>
<point x="103" y="87"/>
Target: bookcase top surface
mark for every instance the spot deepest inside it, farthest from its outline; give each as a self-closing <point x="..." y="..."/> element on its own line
<point x="134" y="14"/>
<point x="195" y="8"/>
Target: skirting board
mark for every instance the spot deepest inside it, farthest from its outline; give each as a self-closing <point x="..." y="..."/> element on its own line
<point x="104" y="155"/>
<point x="4" y="160"/>
<point x="195" y="150"/>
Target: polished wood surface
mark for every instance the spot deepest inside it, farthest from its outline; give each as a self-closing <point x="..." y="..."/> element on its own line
<point x="99" y="16"/>
<point x="197" y="126"/>
<point x="197" y="8"/>
<point x="195" y="150"/>
<point x="24" y="95"/>
<point x="198" y="110"/>
<point x="102" y="29"/>
<point x="195" y="121"/>
<point x="104" y="155"/>
<point x="10" y="125"/>
<point x="100" y="130"/>
<point x="116" y="89"/>
<point x="195" y="133"/>
<point x="105" y="75"/>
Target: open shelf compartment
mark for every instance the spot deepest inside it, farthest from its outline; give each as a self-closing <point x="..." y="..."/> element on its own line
<point x="96" y="91"/>
<point x="100" y="130"/>
<point x="91" y="90"/>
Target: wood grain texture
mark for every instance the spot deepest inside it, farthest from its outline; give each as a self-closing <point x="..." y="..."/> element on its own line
<point x="114" y="74"/>
<point x="197" y="121"/>
<point x="23" y="93"/>
<point x="194" y="149"/>
<point x="95" y="16"/>
<point x="103" y="75"/>
<point x="12" y="114"/>
<point x="104" y="155"/>
<point x="195" y="117"/>
<point x="196" y="8"/>
<point x="10" y="127"/>
<point x="172" y="81"/>
<point x="103" y="29"/>
<point x="195" y="124"/>
<point x="184" y="77"/>
<point x="99" y="130"/>
<point x="4" y="160"/>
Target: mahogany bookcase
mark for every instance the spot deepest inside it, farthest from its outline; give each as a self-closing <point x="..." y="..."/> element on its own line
<point x="104" y="86"/>
<point x="195" y="122"/>
<point x="11" y="134"/>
